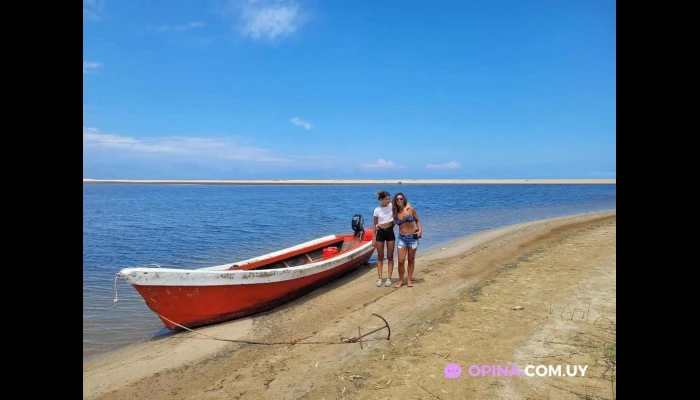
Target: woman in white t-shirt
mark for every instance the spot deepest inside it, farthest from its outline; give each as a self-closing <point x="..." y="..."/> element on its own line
<point x="384" y="233"/>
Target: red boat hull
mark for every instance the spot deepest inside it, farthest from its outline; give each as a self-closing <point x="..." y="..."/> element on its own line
<point x="194" y="306"/>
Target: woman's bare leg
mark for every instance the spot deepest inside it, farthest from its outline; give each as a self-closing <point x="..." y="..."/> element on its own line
<point x="402" y="266"/>
<point x="380" y="258"/>
<point x="411" y="265"/>
<point x="390" y="257"/>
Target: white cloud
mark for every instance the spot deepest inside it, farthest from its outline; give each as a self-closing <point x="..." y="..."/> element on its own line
<point x="92" y="9"/>
<point x="383" y="164"/>
<point x="447" y="165"/>
<point x="90" y="65"/>
<point x="267" y="19"/>
<point x="175" y="28"/>
<point x="299" y="122"/>
<point x="174" y="147"/>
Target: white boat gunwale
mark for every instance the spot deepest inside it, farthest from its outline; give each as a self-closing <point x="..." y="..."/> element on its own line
<point x="222" y="275"/>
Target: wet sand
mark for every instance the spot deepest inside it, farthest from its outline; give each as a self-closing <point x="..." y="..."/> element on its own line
<point x="540" y="293"/>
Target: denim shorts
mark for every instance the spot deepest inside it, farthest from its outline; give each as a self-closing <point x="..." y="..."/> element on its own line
<point x="407" y="241"/>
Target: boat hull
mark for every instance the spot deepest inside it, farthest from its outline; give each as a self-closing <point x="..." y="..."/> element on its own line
<point x="195" y="305"/>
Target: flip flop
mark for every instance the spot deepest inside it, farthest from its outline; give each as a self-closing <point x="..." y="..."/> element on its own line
<point x="409" y="284"/>
<point x="398" y="284"/>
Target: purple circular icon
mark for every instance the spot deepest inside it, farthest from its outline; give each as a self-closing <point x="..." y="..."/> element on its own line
<point x="453" y="371"/>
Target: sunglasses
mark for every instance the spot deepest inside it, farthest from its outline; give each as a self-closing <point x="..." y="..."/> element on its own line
<point x="400" y="199"/>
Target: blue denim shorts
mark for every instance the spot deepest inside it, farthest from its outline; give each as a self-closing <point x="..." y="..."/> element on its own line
<point x="407" y="241"/>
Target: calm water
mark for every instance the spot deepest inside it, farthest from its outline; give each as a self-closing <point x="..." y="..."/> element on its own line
<point x="200" y="225"/>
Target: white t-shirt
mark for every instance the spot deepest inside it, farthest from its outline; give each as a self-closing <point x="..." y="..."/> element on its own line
<point x="384" y="213"/>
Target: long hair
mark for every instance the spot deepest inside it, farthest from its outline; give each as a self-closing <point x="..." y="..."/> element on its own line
<point x="395" y="207"/>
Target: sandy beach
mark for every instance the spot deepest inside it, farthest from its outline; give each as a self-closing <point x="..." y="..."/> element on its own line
<point x="537" y="293"/>
<point x="363" y="182"/>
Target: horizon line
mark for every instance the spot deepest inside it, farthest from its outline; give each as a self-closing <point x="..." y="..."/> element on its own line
<point x="348" y="181"/>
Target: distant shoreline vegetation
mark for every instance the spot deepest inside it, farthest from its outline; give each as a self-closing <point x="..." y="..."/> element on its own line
<point x="354" y="181"/>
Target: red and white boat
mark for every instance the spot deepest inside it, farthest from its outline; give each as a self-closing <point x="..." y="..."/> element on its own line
<point x="197" y="297"/>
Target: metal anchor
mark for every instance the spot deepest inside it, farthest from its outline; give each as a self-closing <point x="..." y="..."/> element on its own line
<point x="360" y="335"/>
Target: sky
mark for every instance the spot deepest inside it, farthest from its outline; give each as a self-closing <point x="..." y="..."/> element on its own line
<point x="321" y="89"/>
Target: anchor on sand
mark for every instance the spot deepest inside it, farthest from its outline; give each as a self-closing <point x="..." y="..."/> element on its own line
<point x="360" y="335"/>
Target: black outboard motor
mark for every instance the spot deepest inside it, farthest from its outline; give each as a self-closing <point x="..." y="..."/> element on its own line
<point x="358" y="226"/>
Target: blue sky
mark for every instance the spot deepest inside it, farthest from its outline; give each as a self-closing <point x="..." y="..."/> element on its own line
<point x="282" y="89"/>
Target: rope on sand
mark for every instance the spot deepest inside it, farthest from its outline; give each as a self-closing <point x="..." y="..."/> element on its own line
<point x="292" y="342"/>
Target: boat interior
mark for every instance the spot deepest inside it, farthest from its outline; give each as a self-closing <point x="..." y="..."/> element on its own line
<point x="308" y="255"/>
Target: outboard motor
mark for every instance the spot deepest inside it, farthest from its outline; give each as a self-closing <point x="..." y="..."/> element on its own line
<point x="358" y="226"/>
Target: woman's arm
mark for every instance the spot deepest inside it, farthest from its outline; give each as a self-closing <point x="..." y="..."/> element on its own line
<point x="418" y="223"/>
<point x="376" y="220"/>
<point x="374" y="227"/>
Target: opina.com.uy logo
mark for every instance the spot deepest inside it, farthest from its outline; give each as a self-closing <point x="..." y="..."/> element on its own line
<point x="455" y="371"/>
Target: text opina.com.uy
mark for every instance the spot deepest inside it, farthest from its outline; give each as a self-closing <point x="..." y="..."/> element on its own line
<point x="455" y="371"/>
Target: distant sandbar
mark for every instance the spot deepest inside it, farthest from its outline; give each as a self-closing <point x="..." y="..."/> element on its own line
<point x="360" y="181"/>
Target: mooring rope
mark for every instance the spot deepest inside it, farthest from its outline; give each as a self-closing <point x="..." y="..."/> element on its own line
<point x="115" y="290"/>
<point x="292" y="342"/>
<point x="115" y="284"/>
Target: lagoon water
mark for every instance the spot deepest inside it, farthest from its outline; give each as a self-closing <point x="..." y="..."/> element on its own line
<point x="191" y="226"/>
